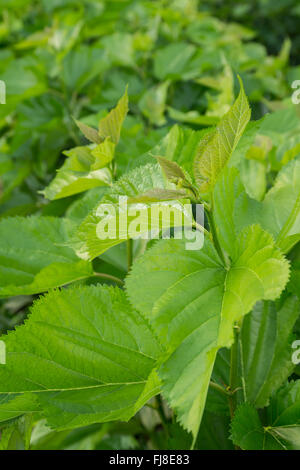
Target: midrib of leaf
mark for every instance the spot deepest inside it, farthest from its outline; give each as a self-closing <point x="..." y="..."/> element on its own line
<point x="86" y="387"/>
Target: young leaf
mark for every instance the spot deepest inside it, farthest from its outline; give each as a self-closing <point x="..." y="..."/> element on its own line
<point x="216" y="150"/>
<point x="193" y="303"/>
<point x="111" y="125"/>
<point x="80" y="172"/>
<point x="90" y="133"/>
<point x="278" y="213"/>
<point x="171" y="169"/>
<point x="89" y="241"/>
<point x="33" y="257"/>
<point x="86" y="356"/>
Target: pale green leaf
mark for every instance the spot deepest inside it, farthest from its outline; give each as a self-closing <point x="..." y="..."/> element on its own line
<point x="111" y="125"/>
<point x="278" y="212"/>
<point x="217" y="149"/>
<point x="112" y="222"/>
<point x="80" y="172"/>
<point x="89" y="132"/>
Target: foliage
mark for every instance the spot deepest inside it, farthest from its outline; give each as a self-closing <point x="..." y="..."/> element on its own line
<point x="122" y="343"/>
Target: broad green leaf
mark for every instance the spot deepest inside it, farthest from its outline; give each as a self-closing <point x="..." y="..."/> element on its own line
<point x="13" y="406"/>
<point x="85" y="355"/>
<point x="213" y="433"/>
<point x="266" y="339"/>
<point x="215" y="152"/>
<point x="283" y="422"/>
<point x="112" y="221"/>
<point x="193" y="302"/>
<point x="77" y="210"/>
<point x="33" y="257"/>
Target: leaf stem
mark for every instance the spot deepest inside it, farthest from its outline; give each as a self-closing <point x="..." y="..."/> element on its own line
<point x="218" y="387"/>
<point x="233" y="372"/>
<point x="129" y="253"/>
<point x="161" y="412"/>
<point x="109" y="277"/>
<point x="215" y="237"/>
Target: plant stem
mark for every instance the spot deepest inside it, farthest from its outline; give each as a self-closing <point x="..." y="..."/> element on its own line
<point x="109" y="277"/>
<point x="201" y="228"/>
<point x="215" y="237"/>
<point x="218" y="387"/>
<point x="160" y="410"/>
<point x="233" y="372"/>
<point x="129" y="253"/>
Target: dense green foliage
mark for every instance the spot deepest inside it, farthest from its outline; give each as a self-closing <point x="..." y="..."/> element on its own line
<point x="152" y="345"/>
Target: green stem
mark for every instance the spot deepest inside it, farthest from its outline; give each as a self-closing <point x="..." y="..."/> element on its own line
<point x="129" y="253"/>
<point x="160" y="410"/>
<point x="218" y="387"/>
<point x="201" y="228"/>
<point x="233" y="372"/>
<point x="109" y="277"/>
<point x="215" y="237"/>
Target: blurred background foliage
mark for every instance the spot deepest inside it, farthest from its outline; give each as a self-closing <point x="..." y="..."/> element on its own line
<point x="66" y="59"/>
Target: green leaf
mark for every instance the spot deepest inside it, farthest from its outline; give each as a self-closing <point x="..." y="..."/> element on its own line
<point x="171" y="169"/>
<point x="110" y="224"/>
<point x="246" y="429"/>
<point x="85" y="355"/>
<point x="193" y="302"/>
<point x="158" y="194"/>
<point x="153" y="103"/>
<point x="16" y="436"/>
<point x="177" y="61"/>
<point x="111" y="125"/>
<point x="266" y="339"/>
<point x="213" y="433"/>
<point x="283" y="422"/>
<point x="33" y="257"/>
<point x="81" y="171"/>
<point x="278" y="213"/>
<point x="180" y="145"/>
<point x="89" y="132"/>
<point x="216" y="150"/>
